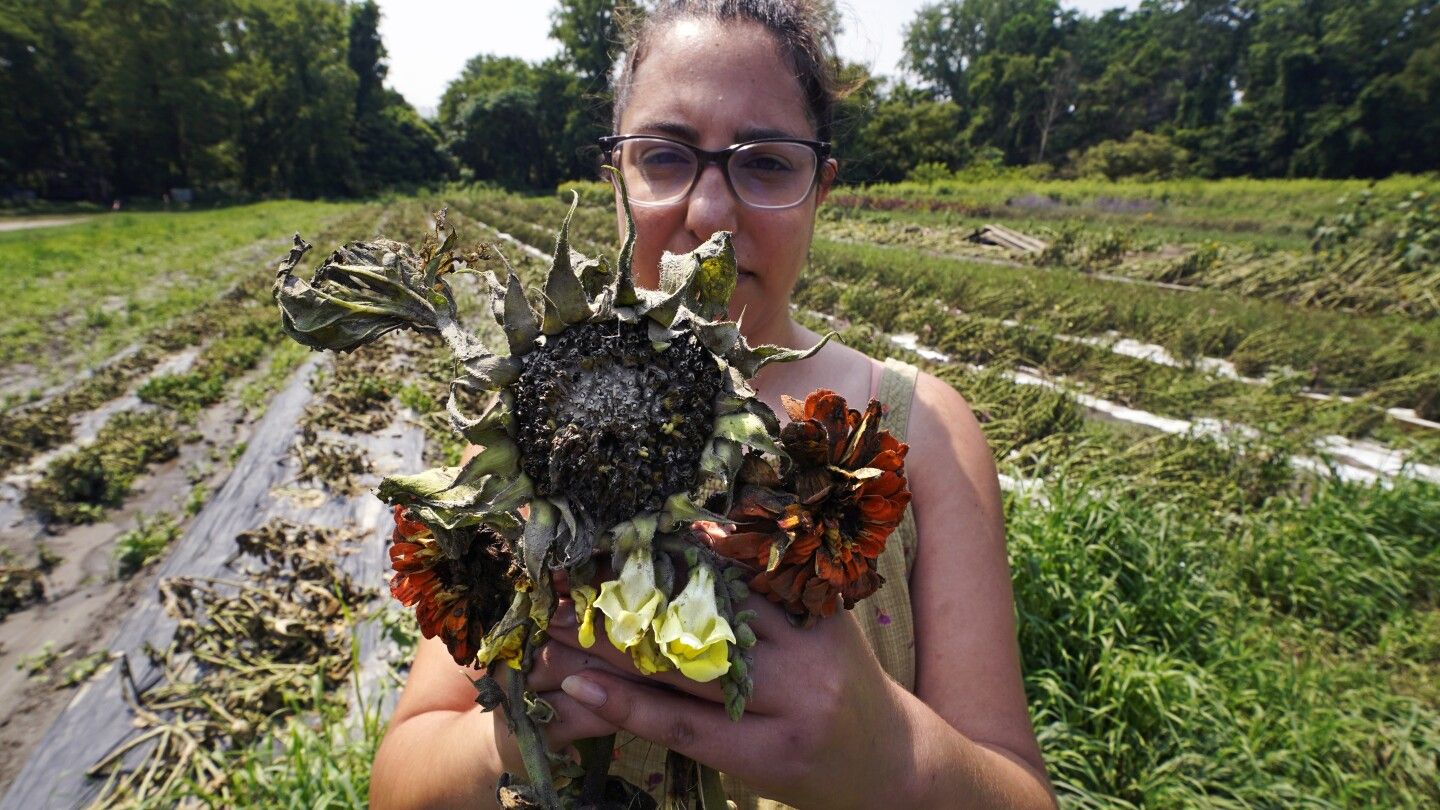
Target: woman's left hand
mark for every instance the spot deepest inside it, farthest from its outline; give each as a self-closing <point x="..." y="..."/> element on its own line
<point x="812" y="732"/>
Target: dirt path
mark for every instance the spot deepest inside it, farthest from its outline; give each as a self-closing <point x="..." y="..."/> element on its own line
<point x="26" y="223"/>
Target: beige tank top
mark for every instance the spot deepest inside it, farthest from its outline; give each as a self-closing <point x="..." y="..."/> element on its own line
<point x="885" y="617"/>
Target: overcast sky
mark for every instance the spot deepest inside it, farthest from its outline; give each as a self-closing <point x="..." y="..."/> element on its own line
<point x="430" y="41"/>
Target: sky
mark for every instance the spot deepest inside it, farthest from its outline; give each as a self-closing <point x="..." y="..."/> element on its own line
<point x="429" y="41"/>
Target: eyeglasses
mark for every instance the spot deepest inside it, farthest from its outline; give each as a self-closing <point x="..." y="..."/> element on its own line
<point x="764" y="173"/>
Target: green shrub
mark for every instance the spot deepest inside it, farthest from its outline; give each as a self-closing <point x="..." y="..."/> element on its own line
<point x="1142" y="156"/>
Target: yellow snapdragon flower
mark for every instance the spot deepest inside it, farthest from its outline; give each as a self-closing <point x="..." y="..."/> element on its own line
<point x="647" y="655"/>
<point x="509" y="648"/>
<point x="630" y="602"/>
<point x="692" y="633"/>
<point x="584" y="597"/>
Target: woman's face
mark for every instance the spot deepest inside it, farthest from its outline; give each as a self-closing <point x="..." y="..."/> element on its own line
<point x="712" y="85"/>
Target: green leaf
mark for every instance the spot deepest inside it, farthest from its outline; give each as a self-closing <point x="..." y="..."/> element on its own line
<point x="748" y="429"/>
<point x="681" y="511"/>
<point x="720" y="337"/>
<point x="540" y="531"/>
<point x="515" y="316"/>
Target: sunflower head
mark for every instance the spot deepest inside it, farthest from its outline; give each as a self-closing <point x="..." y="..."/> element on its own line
<point x="455" y="598"/>
<point x="614" y="413"/>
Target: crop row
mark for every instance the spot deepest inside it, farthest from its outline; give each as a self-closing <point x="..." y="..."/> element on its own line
<point x="1373" y="275"/>
<point x="1382" y="355"/>
<point x="983" y="339"/>
<point x="238" y="330"/>
<point x="1281" y="415"/>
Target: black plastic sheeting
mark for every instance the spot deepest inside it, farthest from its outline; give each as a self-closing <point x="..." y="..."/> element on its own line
<point x="98" y="717"/>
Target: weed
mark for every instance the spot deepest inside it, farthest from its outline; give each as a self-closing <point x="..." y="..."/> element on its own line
<point x="79" y="486"/>
<point x="83" y="669"/>
<point x="195" y="500"/>
<point x="144" y="544"/>
<point x="38" y="662"/>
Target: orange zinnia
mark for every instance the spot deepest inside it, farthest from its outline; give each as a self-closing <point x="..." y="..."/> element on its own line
<point x="454" y="599"/>
<point x="818" y="542"/>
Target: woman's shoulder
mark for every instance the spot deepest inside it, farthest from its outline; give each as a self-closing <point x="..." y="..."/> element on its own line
<point x="949" y="464"/>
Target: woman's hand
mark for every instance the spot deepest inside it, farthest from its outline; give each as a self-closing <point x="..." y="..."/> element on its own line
<point x="552" y="665"/>
<point x="809" y="734"/>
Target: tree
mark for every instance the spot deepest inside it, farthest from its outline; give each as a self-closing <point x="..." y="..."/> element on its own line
<point x="522" y="125"/>
<point x="946" y="39"/>
<point x="298" y="96"/>
<point x="161" y="94"/>
<point x="589" y="35"/>
<point x="394" y="145"/>
<point x="901" y="128"/>
<point x="365" y="54"/>
<point x="49" y="139"/>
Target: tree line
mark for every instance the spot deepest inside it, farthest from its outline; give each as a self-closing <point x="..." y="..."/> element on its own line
<point x="119" y="98"/>
<point x="1262" y="88"/>
<point x="115" y="98"/>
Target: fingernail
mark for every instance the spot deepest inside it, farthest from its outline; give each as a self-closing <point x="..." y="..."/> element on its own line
<point x="588" y="693"/>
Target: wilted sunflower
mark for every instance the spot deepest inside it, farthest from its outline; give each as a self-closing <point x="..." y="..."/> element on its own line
<point x="844" y="492"/>
<point x="455" y="599"/>
<point x="616" y="413"/>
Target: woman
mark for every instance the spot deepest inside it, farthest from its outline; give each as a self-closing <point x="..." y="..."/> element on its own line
<point x="937" y="719"/>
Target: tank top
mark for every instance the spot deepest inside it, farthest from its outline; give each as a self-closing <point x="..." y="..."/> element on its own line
<point x="885" y="618"/>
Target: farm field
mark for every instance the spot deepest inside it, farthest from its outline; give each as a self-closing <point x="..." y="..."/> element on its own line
<point x="1215" y="408"/>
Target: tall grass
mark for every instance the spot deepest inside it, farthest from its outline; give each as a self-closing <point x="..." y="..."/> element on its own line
<point x="1157" y="679"/>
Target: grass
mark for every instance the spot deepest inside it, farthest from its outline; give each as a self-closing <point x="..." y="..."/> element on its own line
<point x="91" y="288"/>
<point x="1270" y="208"/>
<point x="1157" y="678"/>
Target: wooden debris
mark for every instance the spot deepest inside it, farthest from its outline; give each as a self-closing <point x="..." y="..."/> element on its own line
<point x="1001" y="236"/>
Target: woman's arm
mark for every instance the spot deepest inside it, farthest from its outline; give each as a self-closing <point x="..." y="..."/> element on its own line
<point x="971" y="718"/>
<point x="443" y="750"/>
<point x="440" y="749"/>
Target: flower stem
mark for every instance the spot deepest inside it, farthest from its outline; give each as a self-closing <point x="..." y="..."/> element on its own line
<point x="595" y="755"/>
<point x="712" y="792"/>
<point x="532" y="746"/>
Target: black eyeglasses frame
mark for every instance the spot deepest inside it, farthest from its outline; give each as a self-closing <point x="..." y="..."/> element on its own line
<point x="721" y="158"/>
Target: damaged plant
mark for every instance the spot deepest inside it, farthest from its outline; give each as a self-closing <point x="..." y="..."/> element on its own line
<point x="615" y="419"/>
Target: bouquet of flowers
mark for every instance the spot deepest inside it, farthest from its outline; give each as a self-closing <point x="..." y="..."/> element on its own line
<point x="614" y="421"/>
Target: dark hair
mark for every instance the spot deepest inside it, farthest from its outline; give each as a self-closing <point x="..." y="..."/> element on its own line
<point x="802" y="28"/>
